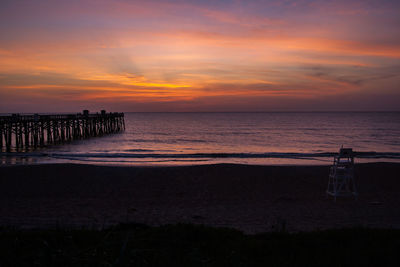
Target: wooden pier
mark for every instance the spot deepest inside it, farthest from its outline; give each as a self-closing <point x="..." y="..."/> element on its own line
<point x="24" y="132"/>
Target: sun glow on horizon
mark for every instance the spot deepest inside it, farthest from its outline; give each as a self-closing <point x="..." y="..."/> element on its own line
<point x="199" y="55"/>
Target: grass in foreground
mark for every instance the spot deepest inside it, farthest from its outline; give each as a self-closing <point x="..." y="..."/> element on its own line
<point x="194" y="245"/>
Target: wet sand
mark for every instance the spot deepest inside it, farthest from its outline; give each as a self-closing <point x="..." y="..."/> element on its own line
<point x="250" y="198"/>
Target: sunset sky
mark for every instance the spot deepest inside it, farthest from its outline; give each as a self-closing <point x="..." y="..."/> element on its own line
<point x="65" y="56"/>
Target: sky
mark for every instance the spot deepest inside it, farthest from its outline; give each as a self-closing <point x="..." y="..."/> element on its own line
<point x="208" y="56"/>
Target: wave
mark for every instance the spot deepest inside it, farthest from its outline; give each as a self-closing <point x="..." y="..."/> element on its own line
<point x="167" y="141"/>
<point x="139" y="150"/>
<point x="366" y="155"/>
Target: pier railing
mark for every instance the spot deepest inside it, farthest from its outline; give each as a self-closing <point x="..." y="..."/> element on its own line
<point x="36" y="130"/>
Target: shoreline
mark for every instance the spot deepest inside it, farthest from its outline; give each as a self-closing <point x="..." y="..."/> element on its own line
<point x="112" y="165"/>
<point x="139" y="159"/>
<point x="27" y="161"/>
<point x="251" y="198"/>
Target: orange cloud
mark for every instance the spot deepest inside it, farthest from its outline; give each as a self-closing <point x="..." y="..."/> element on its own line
<point x="165" y="51"/>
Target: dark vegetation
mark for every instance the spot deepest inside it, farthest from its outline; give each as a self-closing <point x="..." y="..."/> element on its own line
<point x="194" y="245"/>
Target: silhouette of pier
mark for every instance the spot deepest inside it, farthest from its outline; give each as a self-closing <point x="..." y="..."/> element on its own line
<point x="36" y="130"/>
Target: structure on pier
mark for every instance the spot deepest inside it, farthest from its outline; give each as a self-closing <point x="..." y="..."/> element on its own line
<point x="21" y="132"/>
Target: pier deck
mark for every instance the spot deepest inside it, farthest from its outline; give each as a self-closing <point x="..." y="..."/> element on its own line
<point x="29" y="131"/>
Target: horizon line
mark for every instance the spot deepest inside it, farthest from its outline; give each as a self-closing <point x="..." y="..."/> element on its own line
<point x="274" y="111"/>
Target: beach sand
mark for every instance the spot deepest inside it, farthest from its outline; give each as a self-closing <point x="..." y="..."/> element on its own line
<point x="249" y="198"/>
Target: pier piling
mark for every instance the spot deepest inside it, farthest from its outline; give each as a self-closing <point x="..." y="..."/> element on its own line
<point x="21" y="131"/>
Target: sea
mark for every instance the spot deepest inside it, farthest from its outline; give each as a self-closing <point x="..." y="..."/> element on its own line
<point x="271" y="138"/>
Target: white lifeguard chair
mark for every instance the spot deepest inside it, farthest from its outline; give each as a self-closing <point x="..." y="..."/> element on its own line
<point x="341" y="176"/>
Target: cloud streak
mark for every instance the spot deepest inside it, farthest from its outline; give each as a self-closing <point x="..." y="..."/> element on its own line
<point x="189" y="54"/>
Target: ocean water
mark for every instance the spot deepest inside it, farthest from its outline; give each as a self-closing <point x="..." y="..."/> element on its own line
<point x="246" y="138"/>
